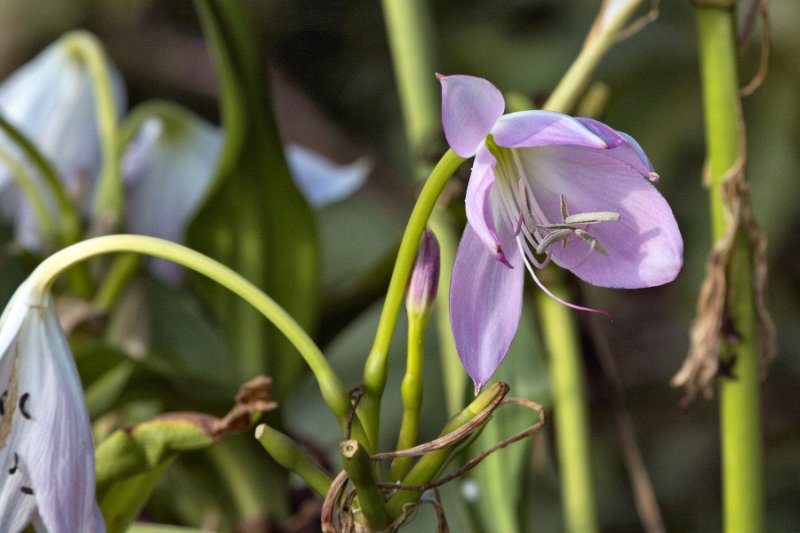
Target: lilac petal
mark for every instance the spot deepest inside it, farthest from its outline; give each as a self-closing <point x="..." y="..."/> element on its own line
<point x="623" y="146"/>
<point x="542" y="128"/>
<point x="470" y="107"/>
<point x="485" y="305"/>
<point x="479" y="204"/>
<point x="645" y="247"/>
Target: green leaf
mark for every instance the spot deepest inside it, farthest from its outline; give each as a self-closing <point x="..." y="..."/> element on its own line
<point x="254" y="219"/>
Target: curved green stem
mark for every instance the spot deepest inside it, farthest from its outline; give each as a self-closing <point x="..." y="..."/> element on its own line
<point x="375" y="368"/>
<point x="109" y="200"/>
<point x="740" y="404"/>
<point x="291" y="456"/>
<point x="27" y="185"/>
<point x="333" y="390"/>
<point x="577" y="78"/>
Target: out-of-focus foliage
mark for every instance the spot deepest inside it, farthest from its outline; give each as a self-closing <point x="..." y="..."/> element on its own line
<point x="334" y="91"/>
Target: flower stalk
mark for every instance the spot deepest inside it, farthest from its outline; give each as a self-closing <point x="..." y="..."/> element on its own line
<point x="333" y="390"/>
<point x="370" y="502"/>
<point x="376" y="366"/>
<point x="740" y="417"/>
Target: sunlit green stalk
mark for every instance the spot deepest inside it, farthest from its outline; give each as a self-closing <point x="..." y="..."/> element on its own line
<point x="109" y="202"/>
<point x="740" y="415"/>
<point x="571" y="412"/>
<point x="410" y="33"/>
<point x="291" y="456"/>
<point x="376" y="366"/>
<point x="333" y="390"/>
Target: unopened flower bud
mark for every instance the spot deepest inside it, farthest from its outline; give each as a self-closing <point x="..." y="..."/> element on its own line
<point x="424" y="281"/>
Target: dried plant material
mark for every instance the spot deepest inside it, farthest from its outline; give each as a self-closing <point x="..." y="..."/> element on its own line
<point x="252" y="398"/>
<point x="766" y="49"/>
<point x="712" y="323"/>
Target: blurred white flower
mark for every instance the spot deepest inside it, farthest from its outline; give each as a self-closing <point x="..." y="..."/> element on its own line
<point x="50" y="99"/>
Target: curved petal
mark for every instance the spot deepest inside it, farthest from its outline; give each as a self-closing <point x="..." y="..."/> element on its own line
<point x="321" y="180"/>
<point x="470" y="107"/>
<point x="527" y="129"/>
<point x="480" y="213"/>
<point x="622" y="146"/>
<point x="485" y="305"/>
<point x="645" y="247"/>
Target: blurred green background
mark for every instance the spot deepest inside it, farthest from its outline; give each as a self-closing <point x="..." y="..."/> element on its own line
<point x="334" y="91"/>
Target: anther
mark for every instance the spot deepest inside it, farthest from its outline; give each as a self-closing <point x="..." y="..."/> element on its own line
<point x="22" y="401"/>
<point x="26" y="490"/>
<point x="15" y="465"/>
<point x="3" y="402"/>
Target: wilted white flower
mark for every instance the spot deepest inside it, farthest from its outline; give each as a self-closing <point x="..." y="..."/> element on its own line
<point x="46" y="451"/>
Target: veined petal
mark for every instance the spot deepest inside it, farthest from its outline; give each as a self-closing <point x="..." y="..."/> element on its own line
<point x="480" y="212"/>
<point x="644" y="246"/>
<point x="485" y="305"/>
<point x="46" y="449"/>
<point x="470" y="107"/>
<point x="622" y="146"/>
<point x="322" y="181"/>
<point x="59" y="452"/>
<point x="542" y="128"/>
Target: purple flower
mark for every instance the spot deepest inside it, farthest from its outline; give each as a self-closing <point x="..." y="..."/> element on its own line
<point x="545" y="187"/>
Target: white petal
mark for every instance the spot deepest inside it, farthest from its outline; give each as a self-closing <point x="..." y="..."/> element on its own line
<point x="168" y="170"/>
<point x="321" y="180"/>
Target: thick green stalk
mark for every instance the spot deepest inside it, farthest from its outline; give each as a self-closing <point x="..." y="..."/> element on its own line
<point x="740" y="416"/>
<point x="376" y="366"/>
<point x="410" y="33"/>
<point x="571" y="412"/>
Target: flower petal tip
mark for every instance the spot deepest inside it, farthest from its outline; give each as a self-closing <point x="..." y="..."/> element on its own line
<point x="470" y="108"/>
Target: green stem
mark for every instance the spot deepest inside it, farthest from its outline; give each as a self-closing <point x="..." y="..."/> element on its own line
<point x="410" y="33"/>
<point x="291" y="456"/>
<point x="740" y="416"/>
<point x="571" y="412"/>
<point x="356" y="463"/>
<point x="453" y="376"/>
<point x="577" y="78"/>
<point x="333" y="390"/>
<point x="27" y="185"/>
<point x="109" y="201"/>
<point x="376" y="366"/>
<point x="411" y="393"/>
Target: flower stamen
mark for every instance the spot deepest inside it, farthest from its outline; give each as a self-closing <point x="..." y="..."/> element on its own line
<point x="22" y="401"/>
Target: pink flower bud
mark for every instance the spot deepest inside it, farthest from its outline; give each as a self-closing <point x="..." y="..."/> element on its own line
<point x="424" y="281"/>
